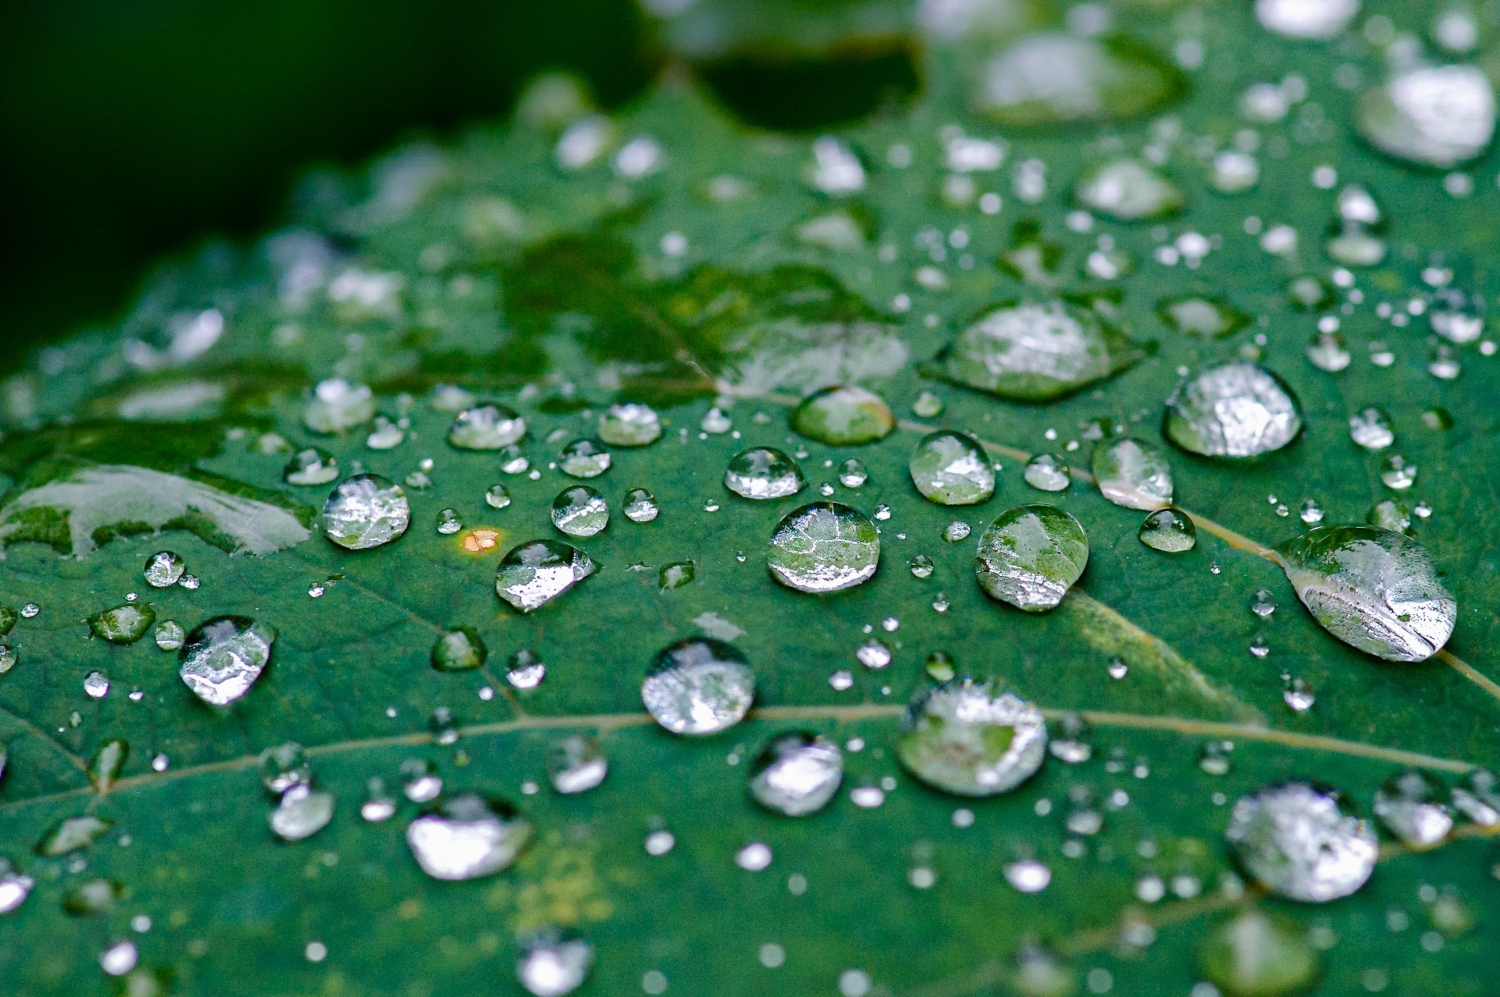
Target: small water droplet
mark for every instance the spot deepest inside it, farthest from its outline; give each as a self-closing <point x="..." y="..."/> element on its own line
<point x="513" y="461"/>
<point x="468" y="836"/>
<point x="841" y="680"/>
<point x="576" y="764"/>
<point x="1438" y="116"/>
<point x="629" y="425"/>
<point x="584" y="459"/>
<point x="927" y="406"/>
<point x="169" y="635"/>
<point x="525" y="670"/>
<point x="580" y="511"/>
<point x="939" y="667"/>
<point x="1410" y="805"/>
<point x="552" y="963"/>
<point x="964" y="739"/>
<point x="1326" y="351"/>
<point x="497" y="497"/>
<point x="459" y="649"/>
<point x="873" y="653"/>
<point x="1028" y="875"/>
<point x="448" y="522"/>
<point x="640" y="506"/>
<point x="1030" y="556"/>
<point x="1048" y="473"/>
<point x="1311" y="512"/>
<point x="107" y="762"/>
<point x="1128" y="190"/>
<point x="1170" y="531"/>
<point x="921" y="566"/>
<point x="30" y="610"/>
<point x="1370" y="428"/>
<point x="119" y="959"/>
<point x="96" y="685"/>
<point x="763" y="473"/>
<point x="124" y="624"/>
<point x="676" y="575"/>
<point x="1071" y="739"/>
<point x="698" y="686"/>
<point x="1117" y="668"/>
<point x="852" y="473"/>
<point x="163" y="569"/>
<point x="951" y="469"/>
<point x="1133" y="474"/>
<point x="715" y="421"/>
<point x="486" y="427"/>
<point x="1214" y="757"/>
<point x="1263" y="603"/>
<point x="534" y="573"/>
<point x="302" y="812"/>
<point x="660" y="842"/>
<point x="843" y="416"/>
<point x="336" y="406"/>
<point x="14" y="887"/>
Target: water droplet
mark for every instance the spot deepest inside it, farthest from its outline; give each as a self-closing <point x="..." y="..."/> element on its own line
<point x="1374" y="589"/>
<point x="956" y="531"/>
<point x="169" y="635"/>
<point x="852" y="473"/>
<point x="927" y="406"/>
<point x="163" y="569"/>
<point x="640" y="506"/>
<point x="714" y="421"/>
<point x="7" y="658"/>
<point x="660" y="842"/>
<point x="1297" y="694"/>
<point x="583" y="459"/>
<point x="1311" y="19"/>
<point x="107" y="762"/>
<point x="951" y="469"/>
<point x="1431" y="115"/>
<point x="754" y="857"/>
<point x="1128" y="190"/>
<point x="124" y="624"/>
<point x="841" y="680"/>
<point x="458" y="650"/>
<point x="552" y="963"/>
<point x="1296" y="840"/>
<point x="1030" y="556"/>
<point x="525" y="670"/>
<point x="796" y="773"/>
<point x="119" y="959"/>
<point x="1048" y="473"/>
<point x="576" y="764"/>
<point x="843" y="415"/>
<point x="921" y="566"/>
<point x="71" y="834"/>
<point x="448" y="522"/>
<point x="189" y="582"/>
<point x="763" y="473"/>
<point x="629" y="425"/>
<point x="534" y="573"/>
<point x="580" y="511"/>
<point x="284" y="766"/>
<point x="30" y="610"/>
<point x="824" y="547"/>
<point x="497" y="497"/>
<point x="1028" y="876"/>
<point x="1071" y="739"/>
<point x="1214" y="757"/>
<point x="1255" y="954"/>
<point x="486" y="427"/>
<point x="962" y="739"/>
<point x="1442" y="362"/>
<point x="1311" y="513"/>
<point x="1397" y="473"/>
<point x="336" y="406"/>
<point x="302" y="812"/>
<point x="1133" y="474"/>
<point x="882" y="512"/>
<point x="1370" y="428"/>
<point x="1478" y="796"/>
<point x="1409" y="805"/>
<point x="513" y="461"/>
<point x="1035" y="352"/>
<point x="223" y="657"/>
<point x="14" y="887"/>
<point x="467" y="836"/>
<point x="1052" y="78"/>
<point x="96" y="685"/>
<point x="1390" y="515"/>
<point x="386" y="435"/>
<point x="1234" y="409"/>
<point x="1327" y="352"/>
<point x="365" y="511"/>
<point x="698" y="686"/>
<point x="1202" y="316"/>
<point x="676" y="575"/>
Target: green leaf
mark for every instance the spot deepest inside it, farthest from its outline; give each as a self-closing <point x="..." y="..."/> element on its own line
<point x="662" y="257"/>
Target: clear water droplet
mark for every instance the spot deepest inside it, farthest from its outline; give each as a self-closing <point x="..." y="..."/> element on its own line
<point x="1028" y="875"/>
<point x="1035" y="352"/>
<point x="71" y="834"/>
<point x="824" y="547"/>
<point x="124" y="624"/>
<point x="534" y="573"/>
<point x="698" y="686"/>
<point x="1477" y="796"/>
<point x="852" y="473"/>
<point x="96" y="685"/>
<point x="467" y="837"/>
<point x="552" y="963"/>
<point x="660" y="842"/>
<point x="952" y="469"/>
<point x="1253" y="953"/>
<point x="365" y="511"/>
<point x="939" y="667"/>
<point x="1311" y="512"/>
<point x="385" y="435"/>
<point x="584" y="459"/>
<point x="1235" y="409"/>
<point x="418" y="780"/>
<point x="1214" y="757"/>
<point x="302" y="812"/>
<point x="927" y="406"/>
<point x="30" y="610"/>
<point x="513" y="461"/>
<point x="1397" y="473"/>
<point x="580" y="511"/>
<point x="108" y="760"/>
<point x="1133" y="474"/>
<point x="486" y="427"/>
<point x="497" y="497"/>
<point x="1169" y="530"/>
<point x="964" y="739"/>
<point x="1390" y="515"/>
<point x="1263" y="603"/>
<point x="1410" y="805"/>
<point x="956" y="531"/>
<point x="119" y="959"/>
<point x="763" y="473"/>
<point x="14" y="886"/>
<point x="1430" y="115"/>
<point x="284" y="766"/>
<point x="640" y="506"/>
<point x="336" y="406"/>
<point x="841" y="680"/>
<point x="1051" y="78"/>
<point x="1071" y="739"/>
<point x="1326" y="351"/>
<point x="1048" y="473"/>
<point x="1117" y="669"/>
<point x="873" y="653"/>
<point x="1030" y="556"/>
<point x="169" y="635"/>
<point x="526" y="670"/>
<point x="163" y="569"/>
<point x="223" y="657"/>
<point x="714" y="421"/>
<point x="1204" y="316"/>
<point x="576" y="764"/>
<point x="754" y="857"/>
<point x="843" y="416"/>
<point x="1370" y="428"/>
<point x="458" y="650"/>
<point x="1298" y="694"/>
<point x="921" y="566"/>
<point x="448" y="522"/>
<point x="1128" y="190"/>
<point x="1296" y="840"/>
<point x="629" y="425"/>
<point x="676" y="575"/>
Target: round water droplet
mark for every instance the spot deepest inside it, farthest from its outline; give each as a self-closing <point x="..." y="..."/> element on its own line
<point x="1128" y="190"/>
<point x="640" y="506"/>
<point x="796" y="773"/>
<point x="7" y="658"/>
<point x="467" y="837"/>
<point x="824" y="547"/>
<point x="921" y="566"/>
<point x="96" y="685"/>
<point x="1235" y="409"/>
<point x="1390" y="515"/>
<point x="1431" y="115"/>
<point x="486" y="427"/>
<point x="1311" y="513"/>
<point x="1410" y="805"/>
<point x="698" y="686"/>
<point x="552" y="963"/>
<point x="676" y="575"/>
<point x="1255" y="954"/>
<point x="1373" y="589"/>
<point x="580" y="511"/>
<point x="763" y="473"/>
<point x="302" y="812"/>
<point x="1048" y="472"/>
<point x="843" y="416"/>
<point x="1170" y="531"/>
<point x="1028" y="875"/>
<point x="1071" y="740"/>
<point x="385" y="435"/>
<point x="956" y="531"/>
<point x="1133" y="474"/>
<point x="1398" y="473"/>
<point x="1478" y="796"/>
<point x="448" y="522"/>
<point x="927" y="406"/>
<point x="223" y="657"/>
<point x="1263" y="603"/>
<point x="952" y="469"/>
<point x="169" y="635"/>
<point x="1296" y="693"/>
<point x="124" y="624"/>
<point x="1202" y="316"/>
<point x="1214" y="757"/>
<point x="852" y="473"/>
<point x="534" y="573"/>
<point x="14" y="887"/>
<point x="163" y="569"/>
<point x="1295" y="839"/>
<point x="1370" y="428"/>
<point x="93" y="898"/>
<point x="365" y="511"/>
<point x="715" y="421"/>
<point x="497" y="497"/>
<point x="336" y="406"/>
<point x="1035" y="352"/>
<point x="873" y="654"/>
<point x="1309" y="293"/>
<point x="962" y="739"/>
<point x="1327" y="352"/>
<point x="576" y="764"/>
<point x="1312" y="19"/>
<point x="284" y="766"/>
<point x="583" y="459"/>
<point x="1030" y="556"/>
<point x="1054" y="78"/>
<point x="629" y="425"/>
<point x="525" y="670"/>
<point x="459" y="650"/>
<point x="513" y="461"/>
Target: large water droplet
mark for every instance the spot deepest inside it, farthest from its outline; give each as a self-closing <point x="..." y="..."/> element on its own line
<point x="1312" y="19"/>
<point x="796" y="773"/>
<point x="629" y="425"/>
<point x="1432" y="115"/>
<point x="963" y="739"/>
<point x="1030" y="556"/>
<point x="1235" y="409"/>
<point x="1128" y="190"/>
<point x="1373" y="589"/>
<point x="952" y="469"/>
<point x="843" y="416"/>
<point x="486" y="427"/>
<point x="763" y="473"/>
<point x="163" y="569"/>
<point x="336" y="406"/>
<point x="365" y="511"/>
<point x="1133" y="474"/>
<point x="552" y="963"/>
<point x="576" y="764"/>
<point x="1169" y="530"/>
<point x="1370" y="428"/>
<point x="310" y="466"/>
<point x="124" y="624"/>
<point x="824" y="547"/>
<point x="1035" y="352"/>
<point x="467" y="836"/>
<point x="640" y="506"/>
<point x="302" y="812"/>
<point x="1054" y="78"/>
<point x="459" y="650"/>
<point x="537" y="572"/>
<point x="1397" y="473"/>
<point x="1202" y="316"/>
<point x="580" y="511"/>
<point x="1255" y="954"/>
<point x="584" y="459"/>
<point x="72" y="833"/>
<point x="1047" y="472"/>
<point x="1410" y="805"/>
<point x="1296" y="840"/>
<point x="224" y="656"/>
<point x="698" y="686"/>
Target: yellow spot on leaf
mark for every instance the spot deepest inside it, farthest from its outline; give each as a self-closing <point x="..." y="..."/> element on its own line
<point x="480" y="539"/>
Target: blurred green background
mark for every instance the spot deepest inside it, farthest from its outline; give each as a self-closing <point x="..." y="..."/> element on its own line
<point x="128" y="130"/>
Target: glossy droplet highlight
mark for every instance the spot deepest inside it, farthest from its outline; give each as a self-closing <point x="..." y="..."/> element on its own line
<point x="1133" y="474"/>
<point x="1316" y="20"/>
<point x="467" y="837"/>
<point x="497" y="497"/>
<point x="1030" y="556"/>
<point x="584" y="459"/>
<point x="1410" y="805"/>
<point x="1170" y="531"/>
<point x="852" y="473"/>
<point x="843" y="416"/>
<point x="1370" y="428"/>
<point x="963" y="739"/>
<point x="124" y="624"/>
<point x="223" y="657"/>
<point x="796" y="773"/>
<point x="1373" y="589"/>
<point x="640" y="506"/>
<point x="1128" y="190"/>
<point x="629" y="425"/>
<point x="763" y="473"/>
<point x="1236" y="409"/>
<point x="1054" y="78"/>
<point x="533" y="574"/>
<point x="163" y="569"/>
<point x="459" y="650"/>
<point x="302" y="812"/>
<point x="1035" y="352"/>
<point x="337" y="405"/>
<point x="576" y="764"/>
<point x="486" y="427"/>
<point x="552" y="963"/>
<point x="698" y="686"/>
<point x="1296" y="840"/>
<point x="365" y="511"/>
<point x="1255" y="954"/>
<point x="1431" y="115"/>
<point x="1202" y="316"/>
<point x="824" y="547"/>
<point x="580" y="511"/>
<point x="952" y="469"/>
<point x="1047" y="472"/>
